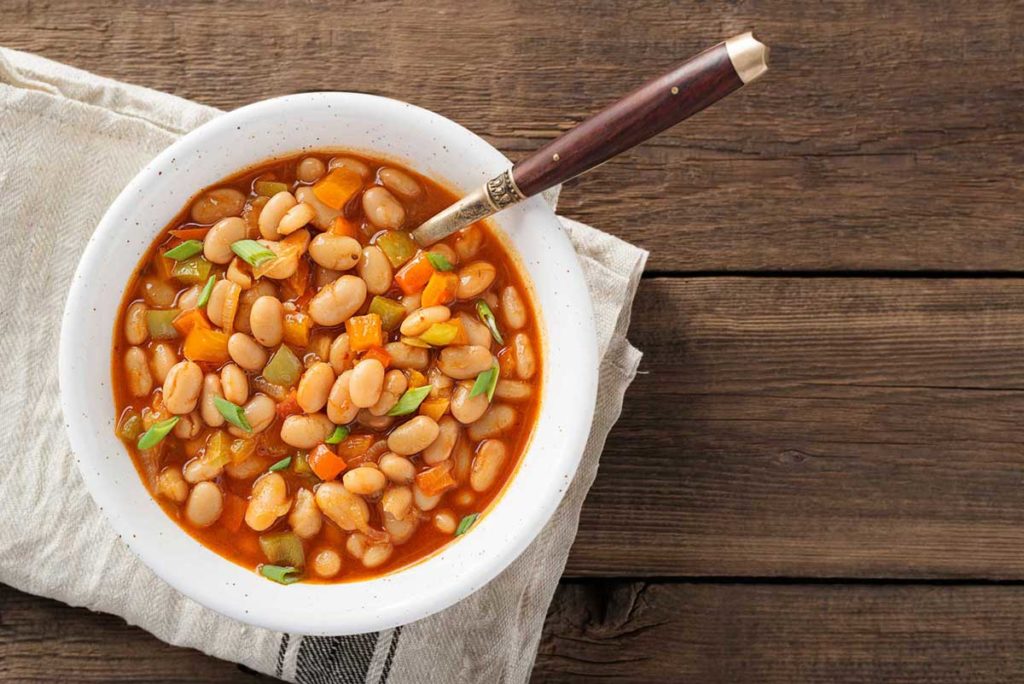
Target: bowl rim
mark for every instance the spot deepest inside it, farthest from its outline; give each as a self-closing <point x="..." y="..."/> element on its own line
<point x="494" y="558"/>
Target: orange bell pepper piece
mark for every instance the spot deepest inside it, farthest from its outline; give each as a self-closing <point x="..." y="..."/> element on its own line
<point x="186" y="321"/>
<point x="440" y="289"/>
<point x="433" y="481"/>
<point x="289" y="406"/>
<point x="184" y="234"/>
<point x="380" y="354"/>
<point x="364" y="332"/>
<point x="204" y="344"/>
<point x="415" y="274"/>
<point x="342" y="226"/>
<point x="416" y="379"/>
<point x="435" y="408"/>
<point x="325" y="463"/>
<point x="337" y="187"/>
<point x="355" y="446"/>
<point x="297" y="326"/>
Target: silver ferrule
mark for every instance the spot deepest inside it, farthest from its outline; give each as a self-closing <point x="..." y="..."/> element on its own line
<point x="496" y="194"/>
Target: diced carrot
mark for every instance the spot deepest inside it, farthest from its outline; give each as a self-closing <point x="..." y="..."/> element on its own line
<point x="342" y="226"/>
<point x="507" y="362"/>
<point x="234" y="512"/>
<point x="337" y="187"/>
<point x="416" y="379"/>
<point x="295" y="285"/>
<point x="378" y="353"/>
<point x="204" y="344"/>
<point x="325" y="463"/>
<point x="355" y="446"/>
<point x="190" y="233"/>
<point x="440" y="289"/>
<point x="364" y="332"/>
<point x="435" y="408"/>
<point x="289" y="406"/>
<point x="230" y="307"/>
<point x="187" y="320"/>
<point x="415" y="274"/>
<point x="433" y="481"/>
<point x="297" y="326"/>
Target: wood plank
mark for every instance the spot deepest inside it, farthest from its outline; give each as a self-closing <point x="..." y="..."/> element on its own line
<point x="828" y="427"/>
<point x="883" y="138"/>
<point x="709" y="633"/>
<point x="624" y="631"/>
<point x="46" y="641"/>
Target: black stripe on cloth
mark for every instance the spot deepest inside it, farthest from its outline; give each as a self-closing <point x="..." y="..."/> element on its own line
<point x="335" y="660"/>
<point x="279" y="670"/>
<point x="396" y="632"/>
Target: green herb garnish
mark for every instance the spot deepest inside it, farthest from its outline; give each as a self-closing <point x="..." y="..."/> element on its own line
<point x="280" y="574"/>
<point x="252" y="252"/>
<point x="338" y="436"/>
<point x="186" y="250"/>
<point x="410" y="401"/>
<point x="439" y="261"/>
<point x="465" y="524"/>
<point x="486" y="382"/>
<point x="204" y="296"/>
<point x="487" y="316"/>
<point x="233" y="413"/>
<point x="151" y="437"/>
<point x="281" y="465"/>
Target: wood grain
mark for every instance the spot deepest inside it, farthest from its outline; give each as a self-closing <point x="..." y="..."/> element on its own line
<point x="785" y="633"/>
<point x="826" y="427"/>
<point x="625" y="632"/>
<point x="882" y="138"/>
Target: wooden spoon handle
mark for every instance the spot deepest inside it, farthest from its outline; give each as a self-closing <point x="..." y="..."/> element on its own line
<point x="647" y="111"/>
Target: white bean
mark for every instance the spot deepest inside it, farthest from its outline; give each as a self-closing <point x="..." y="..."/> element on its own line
<point x="171" y="485"/>
<point x="465" y="408"/>
<point x="340" y="408"/>
<point x="315" y="387"/>
<point x="419" y="321"/>
<point x="413" y="436"/>
<point x="135" y="329"/>
<point x="526" y="362"/>
<point x="336" y="252"/>
<point x="295" y="218"/>
<point x="398" y="469"/>
<point x="204" y="505"/>
<point x="305" y="519"/>
<point x="490" y="457"/>
<point x="140" y="382"/>
<point x="366" y="383"/>
<point x="269" y="501"/>
<point x="405" y="356"/>
<point x="347" y="510"/>
<point x="162" y="357"/>
<point x="218" y="240"/>
<point x="338" y="301"/>
<point x="182" y="387"/>
<point x="305" y="432"/>
<point x="260" y="411"/>
<point x="375" y="269"/>
<point x="440" y="449"/>
<point x="267" y="321"/>
<point x="207" y="407"/>
<point x="474" y="278"/>
<point x="513" y="308"/>
<point x="273" y="211"/>
<point x="246" y="352"/>
<point x="464" y="361"/>
<point x="382" y="209"/>
<point x="496" y="420"/>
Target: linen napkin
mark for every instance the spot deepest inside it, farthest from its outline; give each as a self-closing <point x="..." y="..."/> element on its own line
<point x="69" y="141"/>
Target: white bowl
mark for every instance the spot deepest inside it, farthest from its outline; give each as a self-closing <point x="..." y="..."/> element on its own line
<point x="433" y="146"/>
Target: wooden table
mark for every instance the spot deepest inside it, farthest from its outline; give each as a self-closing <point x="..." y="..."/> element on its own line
<point x="818" y="475"/>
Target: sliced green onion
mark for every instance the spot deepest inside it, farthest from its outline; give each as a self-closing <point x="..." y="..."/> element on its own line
<point x="439" y="261"/>
<point x="486" y="382"/>
<point x="280" y="574"/>
<point x="281" y="465"/>
<point x="233" y="413"/>
<point x="153" y="436"/>
<point x="186" y="250"/>
<point x="268" y="188"/>
<point x="410" y="401"/>
<point x="465" y="524"/>
<point x="252" y="252"/>
<point x="204" y="296"/>
<point x="487" y="316"/>
<point x="338" y="436"/>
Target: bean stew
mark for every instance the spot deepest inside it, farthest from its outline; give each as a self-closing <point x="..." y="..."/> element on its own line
<point x="308" y="393"/>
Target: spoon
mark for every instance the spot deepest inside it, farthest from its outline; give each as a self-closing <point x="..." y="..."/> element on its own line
<point x="658" y="104"/>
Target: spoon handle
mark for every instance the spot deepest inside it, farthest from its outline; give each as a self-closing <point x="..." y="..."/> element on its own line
<point x="650" y="109"/>
<point x="658" y="104"/>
